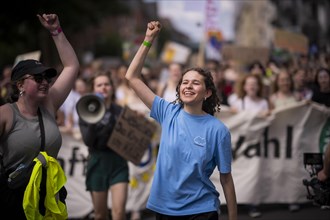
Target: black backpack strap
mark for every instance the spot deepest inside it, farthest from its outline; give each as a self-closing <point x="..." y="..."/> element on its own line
<point x="42" y="130"/>
<point x="2" y="169"/>
<point x="42" y="192"/>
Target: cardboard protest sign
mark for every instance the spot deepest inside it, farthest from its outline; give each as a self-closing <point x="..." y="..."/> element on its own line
<point x="132" y="135"/>
<point x="293" y="42"/>
<point x="245" y="55"/>
<point x="175" y="52"/>
<point x="35" y="55"/>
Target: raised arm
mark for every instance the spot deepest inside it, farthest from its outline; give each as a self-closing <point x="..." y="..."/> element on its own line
<point x="133" y="74"/>
<point x="64" y="83"/>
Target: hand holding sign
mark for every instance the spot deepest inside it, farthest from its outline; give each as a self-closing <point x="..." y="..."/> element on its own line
<point x="132" y="135"/>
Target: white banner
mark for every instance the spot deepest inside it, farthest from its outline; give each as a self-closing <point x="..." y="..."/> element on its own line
<point x="268" y="153"/>
<point x="73" y="158"/>
<point x="267" y="167"/>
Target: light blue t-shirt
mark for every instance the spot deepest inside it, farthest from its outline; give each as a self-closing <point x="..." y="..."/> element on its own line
<point x="191" y="146"/>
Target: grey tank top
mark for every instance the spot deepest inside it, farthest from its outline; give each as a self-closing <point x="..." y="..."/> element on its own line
<point x="22" y="144"/>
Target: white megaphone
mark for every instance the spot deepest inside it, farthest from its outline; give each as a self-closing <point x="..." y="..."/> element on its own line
<point x="91" y="108"/>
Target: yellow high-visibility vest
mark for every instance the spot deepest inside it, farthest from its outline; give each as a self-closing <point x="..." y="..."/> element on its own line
<point x="55" y="209"/>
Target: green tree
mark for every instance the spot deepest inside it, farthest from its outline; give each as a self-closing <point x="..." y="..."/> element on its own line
<point x="21" y="32"/>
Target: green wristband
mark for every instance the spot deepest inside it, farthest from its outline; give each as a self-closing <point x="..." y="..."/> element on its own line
<point x="147" y="43"/>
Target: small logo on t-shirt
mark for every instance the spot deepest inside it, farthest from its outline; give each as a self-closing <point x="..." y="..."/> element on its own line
<point x="200" y="141"/>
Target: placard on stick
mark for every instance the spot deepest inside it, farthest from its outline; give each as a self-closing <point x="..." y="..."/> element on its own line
<point x="175" y="52"/>
<point x="131" y="135"/>
<point x="245" y="55"/>
<point x="35" y="55"/>
<point x="293" y="42"/>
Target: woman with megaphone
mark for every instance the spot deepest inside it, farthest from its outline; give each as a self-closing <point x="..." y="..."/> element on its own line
<point x="105" y="168"/>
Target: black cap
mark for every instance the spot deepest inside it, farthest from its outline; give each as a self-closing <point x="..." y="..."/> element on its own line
<point x="31" y="67"/>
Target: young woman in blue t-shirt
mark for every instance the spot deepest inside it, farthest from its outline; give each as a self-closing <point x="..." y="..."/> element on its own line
<point x="193" y="142"/>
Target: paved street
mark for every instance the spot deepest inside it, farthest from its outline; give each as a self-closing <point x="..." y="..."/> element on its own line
<point x="274" y="212"/>
<point x="281" y="212"/>
<point x="269" y="212"/>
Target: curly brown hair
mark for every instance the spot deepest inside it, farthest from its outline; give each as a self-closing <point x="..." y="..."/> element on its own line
<point x="212" y="103"/>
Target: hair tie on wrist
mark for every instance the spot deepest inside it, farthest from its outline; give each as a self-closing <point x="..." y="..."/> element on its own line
<point x="147" y="43"/>
<point x="56" y="32"/>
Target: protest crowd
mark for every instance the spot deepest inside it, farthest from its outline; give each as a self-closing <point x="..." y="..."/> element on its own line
<point x="259" y="89"/>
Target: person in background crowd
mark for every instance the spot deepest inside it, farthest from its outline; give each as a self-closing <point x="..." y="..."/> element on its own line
<point x="126" y="97"/>
<point x="282" y="95"/>
<point x="5" y="84"/>
<point x="324" y="174"/>
<point x="249" y="98"/>
<point x="216" y="70"/>
<point x="105" y="168"/>
<point x="272" y="69"/>
<point x="122" y="84"/>
<point x="231" y="75"/>
<point x="257" y="68"/>
<point x="33" y="90"/>
<point x="321" y="92"/>
<point x="167" y="90"/>
<point x="193" y="142"/>
<point x="301" y="90"/>
<point x="324" y="59"/>
<point x="69" y="111"/>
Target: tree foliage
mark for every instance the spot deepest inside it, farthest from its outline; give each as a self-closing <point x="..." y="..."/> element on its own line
<point x="20" y="29"/>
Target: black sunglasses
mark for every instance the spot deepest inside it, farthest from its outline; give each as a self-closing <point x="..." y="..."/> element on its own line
<point x="38" y="78"/>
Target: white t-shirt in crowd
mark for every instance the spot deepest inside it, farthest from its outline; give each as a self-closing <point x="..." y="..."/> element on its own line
<point x="248" y="104"/>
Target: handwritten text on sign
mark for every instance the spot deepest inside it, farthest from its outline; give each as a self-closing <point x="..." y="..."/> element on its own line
<point x="132" y="135"/>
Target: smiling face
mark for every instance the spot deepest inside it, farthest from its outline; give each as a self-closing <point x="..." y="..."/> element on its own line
<point x="251" y="86"/>
<point x="284" y="82"/>
<point x="34" y="86"/>
<point x="193" y="90"/>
